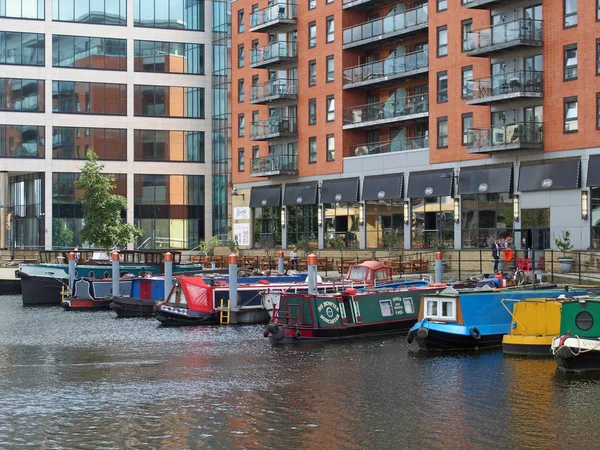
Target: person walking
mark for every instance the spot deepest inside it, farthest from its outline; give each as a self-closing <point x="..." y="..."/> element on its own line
<point x="496" y="253"/>
<point x="294" y="258"/>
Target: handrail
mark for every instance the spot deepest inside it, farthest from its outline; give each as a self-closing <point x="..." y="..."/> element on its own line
<point x="278" y="11"/>
<point x="505" y="32"/>
<point x="385" y="67"/>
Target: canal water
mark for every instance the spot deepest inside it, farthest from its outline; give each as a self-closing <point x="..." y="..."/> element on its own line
<point x="92" y="381"/>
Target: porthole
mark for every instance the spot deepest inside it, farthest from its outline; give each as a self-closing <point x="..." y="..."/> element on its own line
<point x="91" y="274"/>
<point x="584" y="320"/>
<point x="106" y="275"/>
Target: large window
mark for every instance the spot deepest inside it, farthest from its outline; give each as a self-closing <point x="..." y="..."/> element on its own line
<point x="21" y="141"/>
<point x="177" y="14"/>
<point x="77" y="97"/>
<point x="81" y="52"/>
<point x="17" y="94"/>
<point x="26" y="49"/>
<point x="302" y="225"/>
<point x="27" y="199"/>
<point x="432" y="222"/>
<point x="73" y="143"/>
<point x="168" y="57"/>
<point x="486" y="217"/>
<point x="384" y="216"/>
<point x="23" y="9"/>
<point x="157" y="145"/>
<point x="169" y="101"/>
<point x="110" y="12"/>
<point x="267" y="227"/>
<point x="341" y="224"/>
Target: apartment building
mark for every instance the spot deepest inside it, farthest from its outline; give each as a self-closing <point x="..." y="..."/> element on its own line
<point x="449" y="122"/>
<point x="130" y="79"/>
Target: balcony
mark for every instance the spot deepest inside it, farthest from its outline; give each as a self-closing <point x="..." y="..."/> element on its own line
<point x="274" y="91"/>
<point x="398" y="26"/>
<point x="274" y="165"/>
<point x="487" y="4"/>
<point x="397" y="145"/>
<point x="274" y="128"/>
<point x="274" y="18"/>
<point x="507" y="86"/>
<point x="406" y="66"/>
<point x="361" y="5"/>
<point x="280" y="54"/>
<point x="377" y="115"/>
<point x="505" y="37"/>
<point x="514" y="136"/>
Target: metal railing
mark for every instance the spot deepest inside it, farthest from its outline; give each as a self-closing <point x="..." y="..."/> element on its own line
<point x="273" y="126"/>
<point x="396" y="145"/>
<point x="279" y="11"/>
<point x="506" y="83"/>
<point x="386" y="110"/>
<point x="389" y="24"/>
<point x="386" y="68"/>
<point x="502" y="135"/>
<point x="274" y="50"/>
<point x="273" y="88"/>
<point x="506" y="32"/>
<point x="274" y="163"/>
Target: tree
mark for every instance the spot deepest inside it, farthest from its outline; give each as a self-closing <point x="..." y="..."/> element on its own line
<point x="62" y="236"/>
<point x="101" y="209"/>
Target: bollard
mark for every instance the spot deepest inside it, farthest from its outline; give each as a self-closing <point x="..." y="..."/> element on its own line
<point x="439" y="268"/>
<point x="233" y="284"/>
<point x="72" y="261"/>
<point x="168" y="274"/>
<point x="115" y="274"/>
<point x="280" y="264"/>
<point x="312" y="274"/>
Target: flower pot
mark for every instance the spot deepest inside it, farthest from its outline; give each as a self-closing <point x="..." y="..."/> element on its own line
<point x="565" y="264"/>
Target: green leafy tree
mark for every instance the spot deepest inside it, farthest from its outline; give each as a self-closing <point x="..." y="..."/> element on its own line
<point x="62" y="236"/>
<point x="101" y="209"/>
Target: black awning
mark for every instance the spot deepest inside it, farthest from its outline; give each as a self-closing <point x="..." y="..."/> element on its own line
<point x="491" y="179"/>
<point x="335" y="191"/>
<point x="549" y="175"/>
<point x="437" y="183"/>
<point x="593" y="174"/>
<point x="300" y="194"/>
<point x="262" y="196"/>
<point x="383" y="187"/>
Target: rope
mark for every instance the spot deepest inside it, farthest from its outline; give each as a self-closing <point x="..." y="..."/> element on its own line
<point x="580" y="350"/>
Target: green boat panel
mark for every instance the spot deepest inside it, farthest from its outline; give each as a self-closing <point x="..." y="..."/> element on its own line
<point x="581" y="318"/>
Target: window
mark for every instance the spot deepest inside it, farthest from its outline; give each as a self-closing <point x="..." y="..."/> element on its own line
<point x="174" y="14"/>
<point x="108" y="143"/>
<point x="330" y="155"/>
<point x="598" y="55"/>
<point x="81" y="52"/>
<point x="26" y="49"/>
<point x="24" y="9"/>
<point x="240" y="21"/>
<point x="312" y="150"/>
<point x="570" y="13"/>
<point x="241" y="160"/>
<point x="442" y="5"/>
<point x="312" y="35"/>
<point x="597" y="9"/>
<point x="330" y="29"/>
<point x="312" y="73"/>
<point x="241" y="94"/>
<point x="312" y="4"/>
<point x="386" y="308"/>
<point x="328" y="1"/>
<point x="330" y="69"/>
<point x="76" y="97"/>
<point x="571" y="123"/>
<point x="157" y="101"/>
<point x="312" y="111"/>
<point x="409" y="306"/>
<point x="570" y="62"/>
<point x="113" y="13"/>
<point x="442" y="132"/>
<point x="467" y="27"/>
<point x="255" y="152"/>
<point x="241" y="125"/>
<point x="157" y="145"/>
<point x="442" y="87"/>
<point x="467" y="124"/>
<point x="467" y="82"/>
<point x="22" y="95"/>
<point x="598" y="111"/>
<point x="330" y="108"/>
<point x="442" y="41"/>
<point x="584" y="320"/>
<point x="440" y="308"/>
<point x="154" y="56"/>
<point x="241" y="55"/>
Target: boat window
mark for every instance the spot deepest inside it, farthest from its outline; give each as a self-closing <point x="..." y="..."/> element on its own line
<point x="440" y="308"/>
<point x="432" y="308"/>
<point x="409" y="307"/>
<point x="386" y="308"/>
<point x="357" y="273"/>
<point x="447" y="308"/>
<point x="584" y="320"/>
<point x="380" y="275"/>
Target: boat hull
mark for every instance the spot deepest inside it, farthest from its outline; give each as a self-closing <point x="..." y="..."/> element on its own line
<point x="577" y="354"/>
<point x="436" y="340"/>
<point x="41" y="290"/>
<point x="527" y="345"/>
<point x="126" y="307"/>
<point x="86" y="304"/>
<point x="174" y="316"/>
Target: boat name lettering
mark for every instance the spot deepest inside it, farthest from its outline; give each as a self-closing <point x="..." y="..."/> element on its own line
<point x="332" y="312"/>
<point x="398" y="305"/>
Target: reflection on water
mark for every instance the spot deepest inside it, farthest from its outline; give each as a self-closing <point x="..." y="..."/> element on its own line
<point x="89" y="380"/>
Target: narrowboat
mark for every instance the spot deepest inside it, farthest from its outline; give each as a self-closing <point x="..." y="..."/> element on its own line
<point x="577" y="349"/>
<point x="93" y="294"/>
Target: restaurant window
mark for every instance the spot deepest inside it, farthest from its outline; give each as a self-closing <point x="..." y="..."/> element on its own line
<point x="442" y="41"/>
<point x="442" y="86"/>
<point x="485" y="217"/>
<point x="312" y="150"/>
<point x="330" y="154"/>
<point x="381" y="217"/>
<point x="267" y="227"/>
<point x="570" y="62"/>
<point x="442" y="132"/>
<point x="330" y="69"/>
<point x="570" y="13"/>
<point x="432" y="223"/>
<point x="312" y="73"/>
<point x="302" y="226"/>
<point x="571" y="123"/>
<point x="341" y="224"/>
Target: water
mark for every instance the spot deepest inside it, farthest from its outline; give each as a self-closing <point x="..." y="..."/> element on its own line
<point x="89" y="380"/>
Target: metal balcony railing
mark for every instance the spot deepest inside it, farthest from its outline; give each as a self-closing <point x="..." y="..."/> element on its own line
<point x="281" y="11"/>
<point x="514" y="31"/>
<point x="273" y="127"/>
<point x="274" y="89"/>
<point x="519" y="82"/>
<point x="386" y="68"/>
<point x="392" y="108"/>
<point x="274" y="165"/>
<point x="396" y="145"/>
<point x="393" y="24"/>
<point x="514" y="135"/>
<point x="274" y="50"/>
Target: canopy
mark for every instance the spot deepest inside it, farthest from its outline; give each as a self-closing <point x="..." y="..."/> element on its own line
<point x="300" y="194"/>
<point x="193" y="292"/>
<point x="383" y="187"/>
<point x="262" y="196"/>
<point x="436" y="183"/>
<point x="549" y="175"/>
<point x="341" y="190"/>
<point x="492" y="179"/>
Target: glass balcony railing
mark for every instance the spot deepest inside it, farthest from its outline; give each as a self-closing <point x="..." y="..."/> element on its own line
<point x="274" y="165"/>
<point x="386" y="68"/>
<point x="273" y="127"/>
<point x="274" y="88"/>
<point x="274" y="50"/>
<point x="396" y="145"/>
<point x="517" y="135"/>
<point x="278" y="12"/>
<point x="392" y="108"/>
<point x="505" y="33"/>
<point x="386" y="25"/>
<point x="519" y="82"/>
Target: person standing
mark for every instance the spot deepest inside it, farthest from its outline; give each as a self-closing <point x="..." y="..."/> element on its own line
<point x="496" y="253"/>
<point x="294" y="258"/>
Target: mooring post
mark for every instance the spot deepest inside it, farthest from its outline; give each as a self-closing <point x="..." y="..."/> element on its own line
<point x="168" y="274"/>
<point x="115" y="274"/>
<point x="233" y="282"/>
<point x="312" y="274"/>
<point x="439" y="268"/>
<point x="72" y="262"/>
<point x="280" y="263"/>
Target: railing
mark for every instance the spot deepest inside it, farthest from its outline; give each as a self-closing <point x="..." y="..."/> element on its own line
<point x="396" y="145"/>
<point x="281" y="88"/>
<point x="273" y="126"/>
<point x="385" y="25"/>
<point x="506" y="32"/>
<point x="387" y="110"/>
<point x="507" y="83"/>
<point x="278" y="11"/>
<point x="386" y="68"/>
<point x="502" y="135"/>
<point x="274" y="163"/>
<point x="281" y="49"/>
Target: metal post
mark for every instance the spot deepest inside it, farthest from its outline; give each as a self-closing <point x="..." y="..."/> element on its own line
<point x="312" y="274"/>
<point x="480" y="262"/>
<point x="233" y="283"/>
<point x="439" y="268"/>
<point x="579" y="265"/>
<point x="280" y="264"/>
<point x="168" y="273"/>
<point x="72" y="261"/>
<point x="115" y="275"/>
<point x="552" y="266"/>
<point x="459" y="277"/>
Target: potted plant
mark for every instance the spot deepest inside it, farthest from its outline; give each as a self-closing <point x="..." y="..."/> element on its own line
<point x="563" y="243"/>
<point x="208" y="248"/>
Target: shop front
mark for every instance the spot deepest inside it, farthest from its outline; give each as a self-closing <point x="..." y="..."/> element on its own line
<point x="341" y="212"/>
<point x="384" y="210"/>
<point x="265" y="202"/>
<point x="300" y="202"/>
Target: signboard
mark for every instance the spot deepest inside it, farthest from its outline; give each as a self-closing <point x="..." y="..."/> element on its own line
<point x="241" y="213"/>
<point x="241" y="233"/>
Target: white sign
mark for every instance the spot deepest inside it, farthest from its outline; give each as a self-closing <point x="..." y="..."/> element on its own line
<point x="241" y="233"/>
<point x="242" y="213"/>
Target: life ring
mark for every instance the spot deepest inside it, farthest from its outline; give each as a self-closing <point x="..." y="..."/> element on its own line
<point x="475" y="333"/>
<point x="437" y="284"/>
<point x="410" y="337"/>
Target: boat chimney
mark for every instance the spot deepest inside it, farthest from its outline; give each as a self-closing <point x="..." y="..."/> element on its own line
<point x="168" y="274"/>
<point x="115" y="274"/>
<point x="72" y="262"/>
<point x="280" y="264"/>
<point x="439" y="268"/>
<point x="312" y="274"/>
<point x="233" y="285"/>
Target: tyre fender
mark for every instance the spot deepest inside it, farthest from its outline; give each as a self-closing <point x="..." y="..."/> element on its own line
<point x="422" y="333"/>
<point x="475" y="333"/>
<point x="410" y="338"/>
